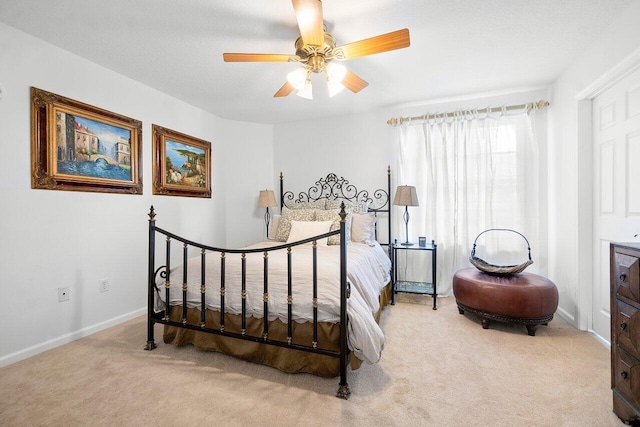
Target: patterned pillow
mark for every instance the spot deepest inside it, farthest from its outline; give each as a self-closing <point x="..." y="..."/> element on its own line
<point x="334" y="215"/>
<point x="349" y="206"/>
<point x="335" y="204"/>
<point x="311" y="204"/>
<point x="284" y="226"/>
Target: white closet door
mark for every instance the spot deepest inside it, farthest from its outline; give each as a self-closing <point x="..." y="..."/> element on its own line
<point x="616" y="171"/>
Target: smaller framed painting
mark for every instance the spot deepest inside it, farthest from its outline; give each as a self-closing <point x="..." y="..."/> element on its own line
<point x="181" y="164"/>
<point x="75" y="146"/>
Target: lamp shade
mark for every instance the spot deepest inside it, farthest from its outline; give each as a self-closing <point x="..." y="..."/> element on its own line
<point x="307" y="91"/>
<point x="298" y="77"/>
<point x="406" y="196"/>
<point x="335" y="72"/>
<point x="267" y="199"/>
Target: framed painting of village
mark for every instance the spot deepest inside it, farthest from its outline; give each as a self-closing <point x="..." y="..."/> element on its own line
<point x="79" y="147"/>
<point x="181" y="164"/>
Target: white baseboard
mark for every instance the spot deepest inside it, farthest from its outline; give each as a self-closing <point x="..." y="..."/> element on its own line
<point x="602" y="340"/>
<point x="567" y="316"/>
<point x="572" y="321"/>
<point x="67" y="338"/>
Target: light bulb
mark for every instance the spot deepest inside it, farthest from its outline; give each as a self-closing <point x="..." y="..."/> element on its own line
<point x="297" y="78"/>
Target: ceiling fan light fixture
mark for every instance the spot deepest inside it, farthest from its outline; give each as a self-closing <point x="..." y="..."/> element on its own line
<point x="298" y="78"/>
<point x="316" y="49"/>
<point x="335" y="73"/>
<point x="307" y="91"/>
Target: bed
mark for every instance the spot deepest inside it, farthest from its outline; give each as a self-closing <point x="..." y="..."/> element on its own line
<point x="307" y="300"/>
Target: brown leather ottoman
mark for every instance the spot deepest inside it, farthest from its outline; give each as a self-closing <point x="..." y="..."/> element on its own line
<point x="522" y="298"/>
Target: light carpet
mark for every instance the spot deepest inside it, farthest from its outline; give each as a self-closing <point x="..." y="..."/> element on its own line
<point x="439" y="368"/>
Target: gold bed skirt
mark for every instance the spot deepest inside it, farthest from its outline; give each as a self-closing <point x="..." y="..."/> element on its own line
<point x="285" y="359"/>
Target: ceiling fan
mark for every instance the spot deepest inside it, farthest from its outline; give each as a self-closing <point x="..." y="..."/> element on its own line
<point x="316" y="49"/>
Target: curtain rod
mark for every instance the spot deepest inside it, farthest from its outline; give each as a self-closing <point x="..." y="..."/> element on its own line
<point x="396" y="121"/>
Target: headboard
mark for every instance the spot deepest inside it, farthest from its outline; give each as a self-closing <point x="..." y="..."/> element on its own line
<point x="333" y="187"/>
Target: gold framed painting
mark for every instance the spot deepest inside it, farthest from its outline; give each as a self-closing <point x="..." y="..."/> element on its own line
<point x="79" y="147"/>
<point x="181" y="164"/>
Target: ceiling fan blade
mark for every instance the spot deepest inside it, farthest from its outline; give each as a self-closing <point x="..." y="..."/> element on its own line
<point x="354" y="83"/>
<point x="258" y="57"/>
<point x="378" y="44"/>
<point x="310" y="21"/>
<point x="285" y="90"/>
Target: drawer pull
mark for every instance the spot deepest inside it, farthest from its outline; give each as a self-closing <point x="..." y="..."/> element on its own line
<point x="623" y="277"/>
<point x="623" y="326"/>
<point x="624" y="375"/>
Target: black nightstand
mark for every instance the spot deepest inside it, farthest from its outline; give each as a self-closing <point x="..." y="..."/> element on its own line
<point x="426" y="288"/>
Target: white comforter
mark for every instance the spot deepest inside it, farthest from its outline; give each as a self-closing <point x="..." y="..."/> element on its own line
<point x="368" y="271"/>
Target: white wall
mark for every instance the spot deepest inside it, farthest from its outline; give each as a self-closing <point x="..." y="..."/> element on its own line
<point x="247" y="156"/>
<point x="570" y="163"/>
<point x="51" y="239"/>
<point x="357" y="147"/>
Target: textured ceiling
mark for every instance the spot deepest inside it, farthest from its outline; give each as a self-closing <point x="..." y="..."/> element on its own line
<point x="458" y="47"/>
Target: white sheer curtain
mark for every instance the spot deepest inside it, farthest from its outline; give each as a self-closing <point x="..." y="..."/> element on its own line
<point x="471" y="173"/>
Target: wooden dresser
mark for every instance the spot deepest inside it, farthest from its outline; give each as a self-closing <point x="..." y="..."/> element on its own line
<point x="625" y="331"/>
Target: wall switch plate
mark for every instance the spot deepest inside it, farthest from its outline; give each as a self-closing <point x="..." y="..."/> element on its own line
<point x="63" y="294"/>
<point x="104" y="285"/>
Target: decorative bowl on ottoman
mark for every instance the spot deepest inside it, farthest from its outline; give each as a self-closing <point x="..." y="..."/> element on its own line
<point x="524" y="298"/>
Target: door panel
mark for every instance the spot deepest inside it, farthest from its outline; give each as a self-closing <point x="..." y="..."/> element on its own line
<point x="616" y="182"/>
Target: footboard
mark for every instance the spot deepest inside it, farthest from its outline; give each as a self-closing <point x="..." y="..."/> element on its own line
<point x="225" y="288"/>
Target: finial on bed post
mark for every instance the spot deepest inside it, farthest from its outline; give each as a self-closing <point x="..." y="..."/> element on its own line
<point x="343" y="213"/>
<point x="152" y="214"/>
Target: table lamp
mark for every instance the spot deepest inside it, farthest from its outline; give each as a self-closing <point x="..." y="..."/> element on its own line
<point x="406" y="196"/>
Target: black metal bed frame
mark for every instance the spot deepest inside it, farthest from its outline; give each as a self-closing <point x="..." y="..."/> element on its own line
<point x="332" y="188"/>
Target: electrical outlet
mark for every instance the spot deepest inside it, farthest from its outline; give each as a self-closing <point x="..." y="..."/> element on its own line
<point x="104" y="285"/>
<point x="63" y="294"/>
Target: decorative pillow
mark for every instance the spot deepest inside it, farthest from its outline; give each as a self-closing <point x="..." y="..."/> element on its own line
<point x="363" y="227"/>
<point x="284" y="225"/>
<point x="335" y="204"/>
<point x="334" y="217"/>
<point x="349" y="206"/>
<point x="273" y="226"/>
<point x="311" y="204"/>
<point x="301" y="230"/>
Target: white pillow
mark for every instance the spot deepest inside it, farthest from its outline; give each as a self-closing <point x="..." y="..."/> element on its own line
<point x="363" y="227"/>
<point x="301" y="230"/>
<point x="284" y="225"/>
